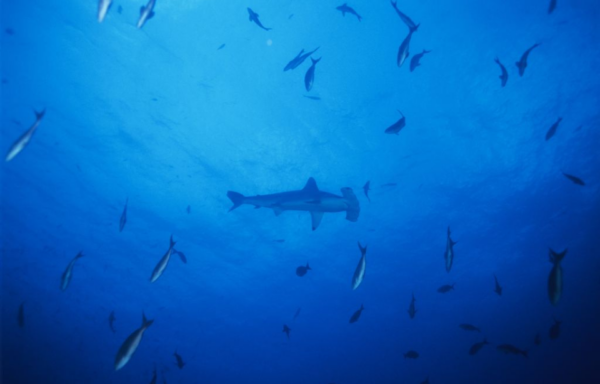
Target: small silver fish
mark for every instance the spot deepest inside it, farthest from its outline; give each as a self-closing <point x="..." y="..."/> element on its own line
<point x="22" y="141"/>
<point x="130" y="344"/>
<point x="162" y="263"/>
<point x="146" y="13"/>
<point x="68" y="273"/>
<point x="359" y="273"/>
<point x="103" y="6"/>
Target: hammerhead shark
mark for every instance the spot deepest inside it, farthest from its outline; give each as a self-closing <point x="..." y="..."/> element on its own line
<point x="309" y="199"/>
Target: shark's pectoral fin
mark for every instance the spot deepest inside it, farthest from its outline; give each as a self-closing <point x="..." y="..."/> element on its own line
<point x="316" y="219"/>
<point x="277" y="210"/>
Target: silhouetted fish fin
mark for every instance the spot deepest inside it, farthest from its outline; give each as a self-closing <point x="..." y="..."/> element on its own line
<point x="39" y="115"/>
<point x="311" y="186"/>
<point x="236" y="198"/>
<point x="316" y="219"/>
<point x="145" y="322"/>
<point x="557" y="257"/>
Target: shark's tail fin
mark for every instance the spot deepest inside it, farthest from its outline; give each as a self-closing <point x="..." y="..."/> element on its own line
<point x="236" y="198"/>
<point x="353" y="205"/>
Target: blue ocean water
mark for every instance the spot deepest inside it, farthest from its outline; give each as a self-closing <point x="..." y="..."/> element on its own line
<point x="172" y="116"/>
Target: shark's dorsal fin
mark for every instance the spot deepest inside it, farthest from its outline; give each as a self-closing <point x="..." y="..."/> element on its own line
<point x="311" y="186"/>
<point x="316" y="216"/>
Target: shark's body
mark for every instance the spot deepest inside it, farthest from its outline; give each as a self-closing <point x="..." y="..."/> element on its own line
<point x="146" y="13"/>
<point x="309" y="199"/>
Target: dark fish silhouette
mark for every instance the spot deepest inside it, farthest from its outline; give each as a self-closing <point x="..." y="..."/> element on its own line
<point x="498" y="288"/>
<point x="412" y="27"/>
<point x="554" y="330"/>
<point x="130" y="344"/>
<point x="552" y="129"/>
<point x="180" y="362"/>
<point x="181" y="255"/>
<point x="188" y="209"/>
<point x="9" y="31"/>
<point x="522" y="64"/>
<point x="449" y="253"/>
<point x="411" y="355"/>
<point x="120" y="10"/>
<point x="552" y="6"/>
<point x="253" y="16"/>
<point x="299" y="59"/>
<point x="356" y="314"/>
<point x="414" y="62"/>
<point x="511" y="350"/>
<point x="146" y="13"/>
<point x="68" y="273"/>
<point x="555" y="280"/>
<point x="312" y="97"/>
<point x="469" y="327"/>
<point x="297" y="313"/>
<point x="123" y="219"/>
<point x="504" y="75"/>
<point x="24" y="139"/>
<point x="361" y="267"/>
<point x="21" y="315"/>
<point x="395" y="129"/>
<point x="574" y="179"/>
<point x="477" y="346"/>
<point x="221" y="47"/>
<point x="446" y="288"/>
<point x="367" y="188"/>
<point x="301" y="270"/>
<point x="111" y="321"/>
<point x="309" y="78"/>
<point x="411" y="309"/>
<point x="403" y="50"/>
<point x="538" y="339"/>
<point x="344" y="8"/>
<point x="286" y="330"/>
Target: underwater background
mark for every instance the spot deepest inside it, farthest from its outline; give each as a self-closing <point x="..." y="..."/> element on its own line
<point x="168" y="120"/>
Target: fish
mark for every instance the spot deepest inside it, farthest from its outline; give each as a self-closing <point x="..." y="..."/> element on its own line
<point x="477" y="346"/>
<point x="286" y="330"/>
<point x="22" y="141"/>
<point x="181" y="255"/>
<point x="469" y="327"/>
<point x="299" y="59"/>
<point x="446" y="288"/>
<point x="356" y="314"/>
<point x="9" y="31"/>
<point x="411" y="309"/>
<point x="538" y="339"/>
<point x="68" y="273"/>
<point x="551" y="6"/>
<point x="180" y="362"/>
<point x="162" y="263"/>
<point x="522" y="64"/>
<point x="403" y="50"/>
<point x="511" y="350"/>
<point x="504" y="75"/>
<point x="449" y="253"/>
<point x="498" y="288"/>
<point x="344" y="8"/>
<point x="412" y="27"/>
<point x="309" y="199"/>
<point x="103" y="6"/>
<point x="123" y="219"/>
<point x="312" y="97"/>
<point x="221" y="47"/>
<point x="301" y="270"/>
<point x="188" y="209"/>
<point x="366" y="189"/>
<point x="154" y="378"/>
<point x="395" y="129"/>
<point x="411" y="355"/>
<point x="130" y="344"/>
<point x="414" y="62"/>
<point x="253" y="16"/>
<point x="297" y="313"/>
<point x="21" y="315"/>
<point x="120" y="10"/>
<point x="309" y="78"/>
<point x="554" y="330"/>
<point x="280" y="241"/>
<point x="555" y="279"/>
<point x="111" y="321"/>
<point x="552" y="129"/>
<point x="361" y="267"/>
<point x="146" y="13"/>
<point x="574" y="179"/>
<point x="389" y="185"/>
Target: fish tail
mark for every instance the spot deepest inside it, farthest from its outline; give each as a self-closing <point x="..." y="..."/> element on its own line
<point x="145" y="322"/>
<point x="363" y="250"/>
<point x="315" y="61"/>
<point x="414" y="29"/>
<point x="171" y="242"/>
<point x="39" y="115"/>
<point x="80" y="254"/>
<point x="236" y="198"/>
<point x="308" y="266"/>
<point x="557" y="257"/>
